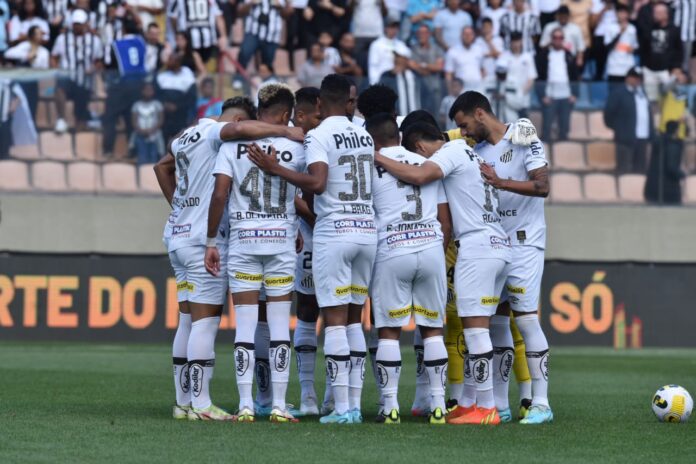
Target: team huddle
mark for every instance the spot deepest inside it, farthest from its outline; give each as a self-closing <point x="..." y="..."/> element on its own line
<point x="310" y="201"/>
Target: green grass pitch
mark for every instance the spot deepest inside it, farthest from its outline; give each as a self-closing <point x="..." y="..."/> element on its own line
<point x="112" y="403"/>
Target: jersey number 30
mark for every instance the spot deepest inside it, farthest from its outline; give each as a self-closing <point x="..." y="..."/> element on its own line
<point x="358" y="176"/>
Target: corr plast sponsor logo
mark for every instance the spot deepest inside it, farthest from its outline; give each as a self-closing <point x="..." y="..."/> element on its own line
<point x="181" y="229"/>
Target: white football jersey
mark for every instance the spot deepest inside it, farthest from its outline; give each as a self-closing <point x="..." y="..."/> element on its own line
<point x="522" y="216"/>
<point x="406" y="215"/>
<point x="195" y="152"/>
<point x="344" y="210"/>
<point x="473" y="203"/>
<point x="261" y="207"/>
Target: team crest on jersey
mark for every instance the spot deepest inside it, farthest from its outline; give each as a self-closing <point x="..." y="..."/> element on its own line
<point x="506" y="157"/>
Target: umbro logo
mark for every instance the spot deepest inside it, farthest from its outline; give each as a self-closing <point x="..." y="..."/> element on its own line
<point x="506" y="157"/>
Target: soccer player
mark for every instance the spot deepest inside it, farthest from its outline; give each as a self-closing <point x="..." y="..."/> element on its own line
<point x="520" y="176"/>
<point x="484" y="250"/>
<point x="261" y="247"/>
<point x="340" y="160"/>
<point x="187" y="183"/>
<point x="409" y="272"/>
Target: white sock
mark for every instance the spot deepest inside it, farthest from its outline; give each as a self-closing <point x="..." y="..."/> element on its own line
<point x="537" y="356"/>
<point x="247" y="317"/>
<point x="278" y="316"/>
<point x="201" y="355"/>
<point x="388" y="371"/>
<point x="455" y="390"/>
<point x="262" y="369"/>
<point x="478" y="341"/>
<point x="435" y="361"/>
<point x="525" y="389"/>
<point x="180" y="361"/>
<point x="372" y="344"/>
<point x="337" y="353"/>
<point x="358" y="352"/>
<point x="503" y="356"/>
<point x="422" y="396"/>
<point x="305" y="341"/>
<point x="468" y="395"/>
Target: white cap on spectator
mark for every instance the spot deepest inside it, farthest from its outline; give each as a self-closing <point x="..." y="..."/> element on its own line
<point x="402" y="50"/>
<point x="79" y="17"/>
<point x="393" y="18"/>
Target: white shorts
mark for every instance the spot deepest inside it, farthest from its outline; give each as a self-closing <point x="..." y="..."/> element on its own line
<point x="652" y="82"/>
<point x="304" y="279"/>
<point x="413" y="283"/>
<point x="523" y="284"/>
<point x="276" y="273"/>
<point x="342" y="272"/>
<point x="193" y="283"/>
<point x="478" y="283"/>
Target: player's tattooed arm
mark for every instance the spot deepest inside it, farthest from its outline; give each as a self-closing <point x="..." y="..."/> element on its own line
<point x="409" y="173"/>
<point x="215" y="211"/>
<point x="536" y="186"/>
<point x="165" y="171"/>
<point x="445" y="219"/>
<point x="314" y="181"/>
<point x="253" y="130"/>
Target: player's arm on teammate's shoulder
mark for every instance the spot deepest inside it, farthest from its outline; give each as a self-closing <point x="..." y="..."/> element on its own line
<point x="412" y="174"/>
<point x="445" y="219"/>
<point x="314" y="181"/>
<point x="252" y="130"/>
<point x="536" y="186"/>
<point x="303" y="208"/>
<point x="165" y="171"/>
<point x="223" y="183"/>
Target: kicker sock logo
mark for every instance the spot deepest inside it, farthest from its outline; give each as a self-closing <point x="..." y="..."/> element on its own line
<point x="241" y="356"/>
<point x="280" y="352"/>
<point x="481" y="366"/>
<point x="507" y="355"/>
<point x="263" y="374"/>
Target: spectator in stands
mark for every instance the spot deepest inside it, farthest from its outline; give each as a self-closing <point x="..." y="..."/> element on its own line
<point x="519" y="72"/>
<point x="263" y="26"/>
<point x="367" y="26"/>
<point x="191" y="58"/>
<point x="4" y="19"/>
<point x="674" y="104"/>
<point x="574" y="41"/>
<point x="521" y="19"/>
<point x="428" y="61"/>
<point x="30" y="53"/>
<point x="412" y="92"/>
<point x="147" y="117"/>
<point x="421" y="12"/>
<point x="548" y="11"/>
<point x="621" y="40"/>
<point x="147" y="10"/>
<point x="325" y="16"/>
<point x="603" y="17"/>
<point x="154" y="49"/>
<point x="491" y="46"/>
<point x="495" y="11"/>
<point x="663" y="181"/>
<point x="557" y="85"/>
<point x="331" y="55"/>
<point x="660" y="50"/>
<point x="465" y="61"/>
<point x="580" y="16"/>
<point x="381" y="54"/>
<point x="315" y="68"/>
<point x="29" y="13"/>
<point x="57" y="12"/>
<point x="296" y="29"/>
<point x="349" y="65"/>
<point x="208" y="105"/>
<point x="176" y="89"/>
<point x="8" y="105"/>
<point x="455" y="89"/>
<point x="628" y="114"/>
<point x="203" y="23"/>
<point x="685" y="20"/>
<point x="79" y="52"/>
<point x="448" y="24"/>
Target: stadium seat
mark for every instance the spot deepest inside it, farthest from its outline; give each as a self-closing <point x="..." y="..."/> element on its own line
<point x="14" y="175"/>
<point x="566" y="188"/>
<point x="56" y="146"/>
<point x="44" y="112"/>
<point x="600" y="188"/>
<point x="48" y="176"/>
<point x="88" y="145"/>
<point x="119" y="177"/>
<point x="569" y="156"/>
<point x="69" y="113"/>
<point x="300" y="58"/>
<point x="601" y="156"/>
<point x="689" y="160"/>
<point x="121" y="146"/>
<point x="690" y="190"/>
<point x="25" y="152"/>
<point x="578" y="126"/>
<point x="631" y="188"/>
<point x="281" y="65"/>
<point x="84" y="176"/>
<point x="147" y="179"/>
<point x="596" y="128"/>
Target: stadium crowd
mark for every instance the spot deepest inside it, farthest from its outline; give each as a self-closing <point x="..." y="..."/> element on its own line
<point x="153" y="63"/>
